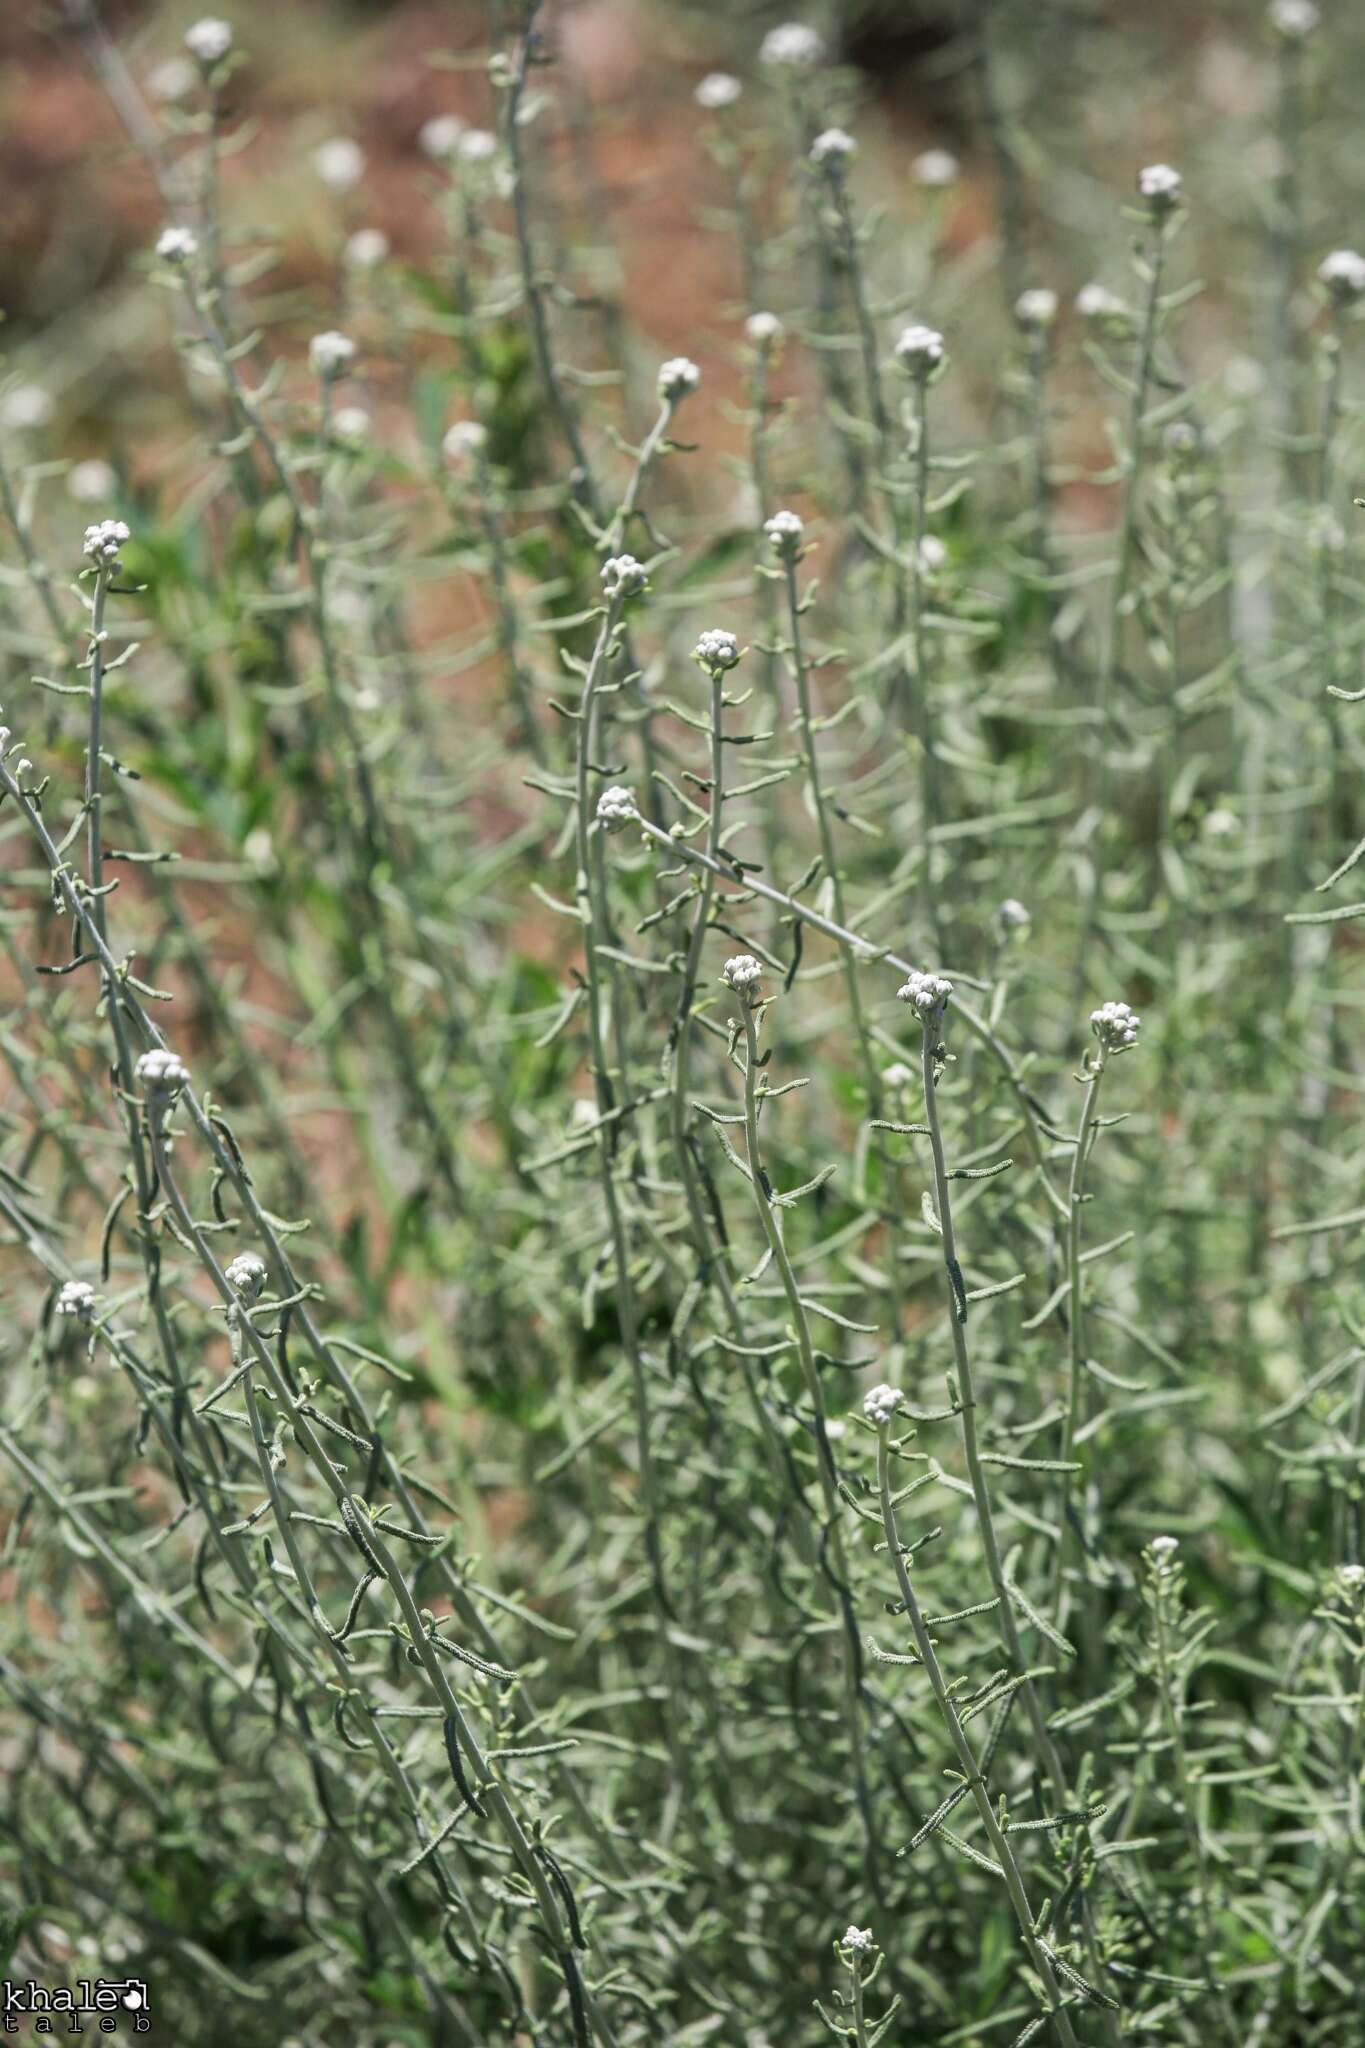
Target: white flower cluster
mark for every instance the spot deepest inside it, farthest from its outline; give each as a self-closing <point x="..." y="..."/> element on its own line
<point x="77" y="1298"/>
<point x="1163" y="1549"/>
<point x="935" y="169"/>
<point x="103" y="541"/>
<point x="716" y="649"/>
<point x="340" y="163"/>
<point x="351" y="423"/>
<point x="880" y="1403"/>
<point x="1097" y="302"/>
<point x="1115" y="1026"/>
<point x="209" y="40"/>
<point x="1012" y="914"/>
<point x="833" y="148"/>
<point x="1351" y="1579"/>
<point x="1160" y="186"/>
<point x="24" y="407"/>
<point x="366" y="249"/>
<point x="173" y="79"/>
<point x="717" y="90"/>
<point x="477" y="146"/>
<point x="246" y="1275"/>
<point x="622" y="576"/>
<point x="764" y="330"/>
<point x="1343" y="273"/>
<point x="919" y="349"/>
<point x="1295" y="20"/>
<point x="933" y="555"/>
<point x="677" y="377"/>
<point x="439" y="138"/>
<point x="927" y="993"/>
<point x="784" y="531"/>
<point x="177" y="245"/>
<point x="792" y="46"/>
<point x="1037" y="308"/>
<point x="616" y="807"/>
<point x="858" y="1940"/>
<point x="742" y="973"/>
<point x="161" y="1071"/>
<point x="898" y="1075"/>
<point x="89" y="481"/>
<point x="463" y="440"/>
<point x="331" y="354"/>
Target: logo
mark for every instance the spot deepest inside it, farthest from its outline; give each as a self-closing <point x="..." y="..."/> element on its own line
<point x="100" y="2005"/>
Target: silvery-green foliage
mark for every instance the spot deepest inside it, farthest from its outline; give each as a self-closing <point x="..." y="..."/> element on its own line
<point x="610" y="1367"/>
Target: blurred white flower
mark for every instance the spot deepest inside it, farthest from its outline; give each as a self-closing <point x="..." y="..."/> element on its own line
<point x="792" y="46"/>
<point x="439" y="137"/>
<point x="25" y="407"/>
<point x="331" y="353"/>
<point x="90" y="481"/>
<point x="173" y="79"/>
<point x="935" y="168"/>
<point x="718" y="89"/>
<point x="209" y="39"/>
<point x="340" y="163"/>
<point x="366" y="249"/>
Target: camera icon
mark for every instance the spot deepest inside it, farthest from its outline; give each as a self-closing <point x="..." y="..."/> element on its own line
<point x="131" y="1992"/>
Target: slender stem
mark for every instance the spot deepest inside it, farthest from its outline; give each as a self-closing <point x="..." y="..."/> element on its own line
<point x="1075" y="1274"/>
<point x="965" y="1755"/>
<point x="764" y="1202"/>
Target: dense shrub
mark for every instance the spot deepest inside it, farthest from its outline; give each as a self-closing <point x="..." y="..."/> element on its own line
<point x="678" y="1175"/>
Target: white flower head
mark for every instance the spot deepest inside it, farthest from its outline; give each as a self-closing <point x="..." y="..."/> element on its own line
<point x="763" y="330"/>
<point x="1351" y="1579"/>
<point x="719" y="89"/>
<point x="1161" y="186"/>
<point x="77" y="1298"/>
<point x="622" y="576"/>
<point x="928" y="994"/>
<point x="742" y="973"/>
<point x="879" y="1405"/>
<point x="716" y="649"/>
<point x="1343" y="274"/>
<point x="1163" y="1549"/>
<point x="177" y="245"/>
<point x="25" y="407"/>
<point x="331" y="354"/>
<point x="103" y="541"/>
<point x="439" y="138"/>
<point x="1013" y="915"/>
<point x="351" y="423"/>
<point x="898" y="1075"/>
<point x="209" y="39"/>
<point x="833" y="148"/>
<point x="172" y="80"/>
<point x="1036" y="309"/>
<point x="477" y="146"/>
<point x="91" y="481"/>
<point x="161" y="1072"/>
<point x="366" y="249"/>
<point x="919" y="349"/>
<point x="785" y="531"/>
<point x="340" y="163"/>
<point x="616" y="807"/>
<point x="677" y="377"/>
<point x="246" y="1275"/>
<point x="933" y="555"/>
<point x="1295" y="20"/>
<point x="463" y="440"/>
<point x="859" y="1941"/>
<point x="1097" y="302"/>
<point x="792" y="46"/>
<point x="1115" y="1026"/>
<point x="1221" y="823"/>
<point x="935" y="168"/>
